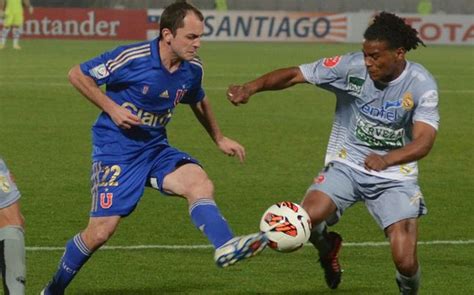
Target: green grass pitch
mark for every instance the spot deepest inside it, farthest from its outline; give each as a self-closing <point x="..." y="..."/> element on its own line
<point x="45" y="139"/>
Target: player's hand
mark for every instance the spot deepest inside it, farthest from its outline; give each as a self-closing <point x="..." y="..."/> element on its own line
<point x="231" y="148"/>
<point x="31" y="9"/>
<point x="124" y="118"/>
<point x="238" y="94"/>
<point x="375" y="162"/>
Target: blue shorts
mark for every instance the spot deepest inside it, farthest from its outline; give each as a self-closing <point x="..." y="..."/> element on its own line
<point x="387" y="200"/>
<point x="117" y="187"/>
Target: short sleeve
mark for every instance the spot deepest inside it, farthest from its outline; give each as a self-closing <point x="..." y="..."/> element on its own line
<point x="196" y="93"/>
<point x="112" y="67"/>
<point x="327" y="70"/>
<point x="427" y="109"/>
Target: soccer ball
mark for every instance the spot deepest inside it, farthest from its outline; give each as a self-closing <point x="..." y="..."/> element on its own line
<point x="287" y="226"/>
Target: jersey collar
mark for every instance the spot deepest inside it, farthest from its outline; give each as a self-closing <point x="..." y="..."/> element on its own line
<point x="155" y="53"/>
<point x="402" y="75"/>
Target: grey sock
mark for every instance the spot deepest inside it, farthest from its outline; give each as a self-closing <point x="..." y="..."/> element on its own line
<point x="318" y="238"/>
<point x="12" y="259"/>
<point x="409" y="285"/>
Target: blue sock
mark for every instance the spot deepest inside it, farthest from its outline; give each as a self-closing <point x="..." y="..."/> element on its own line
<point x="207" y="218"/>
<point x="75" y="256"/>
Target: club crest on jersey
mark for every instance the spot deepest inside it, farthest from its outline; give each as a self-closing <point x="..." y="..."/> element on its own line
<point x="145" y="89"/>
<point x="4" y="184"/>
<point x="331" y="62"/>
<point x="407" y="101"/>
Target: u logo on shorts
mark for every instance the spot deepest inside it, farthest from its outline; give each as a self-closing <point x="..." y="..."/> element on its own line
<point x="106" y="200"/>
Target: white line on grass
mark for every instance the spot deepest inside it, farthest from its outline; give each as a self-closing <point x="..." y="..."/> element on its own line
<point x="66" y="84"/>
<point x="191" y="247"/>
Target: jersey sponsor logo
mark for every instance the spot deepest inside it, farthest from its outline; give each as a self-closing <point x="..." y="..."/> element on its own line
<point x="331" y="62"/>
<point x="165" y="94"/>
<point x="355" y="84"/>
<point x="99" y="72"/>
<point x="149" y="118"/>
<point x="407" y="101"/>
<point x="106" y="200"/>
<point x="382" y="113"/>
<point x="392" y="104"/>
<point x="379" y="137"/>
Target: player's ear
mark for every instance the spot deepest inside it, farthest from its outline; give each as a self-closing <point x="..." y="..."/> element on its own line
<point x="166" y="35"/>
<point x="400" y="52"/>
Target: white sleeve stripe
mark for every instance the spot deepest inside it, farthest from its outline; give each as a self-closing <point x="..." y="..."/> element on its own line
<point x="119" y="57"/>
<point x="112" y="64"/>
<point x="128" y="59"/>
<point x="196" y="63"/>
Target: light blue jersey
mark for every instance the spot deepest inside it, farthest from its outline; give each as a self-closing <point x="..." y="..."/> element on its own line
<point x="369" y="119"/>
<point x="136" y="80"/>
<point x="9" y="193"/>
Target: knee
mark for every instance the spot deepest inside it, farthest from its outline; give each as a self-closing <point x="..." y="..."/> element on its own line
<point x="199" y="188"/>
<point x="97" y="236"/>
<point x="319" y="206"/>
<point x="407" y="265"/>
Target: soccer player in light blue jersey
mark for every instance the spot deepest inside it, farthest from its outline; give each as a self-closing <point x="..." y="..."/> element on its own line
<point x="386" y="120"/>
<point x="144" y="83"/>
<point x="12" y="239"/>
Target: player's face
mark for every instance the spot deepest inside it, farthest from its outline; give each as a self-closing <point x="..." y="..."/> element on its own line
<point x="188" y="38"/>
<point x="383" y="63"/>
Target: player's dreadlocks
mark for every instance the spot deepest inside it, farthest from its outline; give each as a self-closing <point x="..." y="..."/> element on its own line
<point x="393" y="29"/>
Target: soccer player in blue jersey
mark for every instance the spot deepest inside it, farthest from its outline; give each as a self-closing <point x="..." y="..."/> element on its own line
<point x="386" y="120"/>
<point x="144" y="83"/>
<point x="12" y="240"/>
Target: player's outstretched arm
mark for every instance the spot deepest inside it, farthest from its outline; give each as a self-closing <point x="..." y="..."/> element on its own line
<point x="121" y="116"/>
<point x="203" y="112"/>
<point x="28" y="5"/>
<point x="276" y="80"/>
<point x="424" y="136"/>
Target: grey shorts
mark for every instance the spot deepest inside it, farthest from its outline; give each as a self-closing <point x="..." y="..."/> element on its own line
<point x="9" y="193"/>
<point x="387" y="200"/>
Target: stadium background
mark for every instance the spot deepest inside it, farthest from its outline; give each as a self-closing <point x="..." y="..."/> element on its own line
<point x="45" y="138"/>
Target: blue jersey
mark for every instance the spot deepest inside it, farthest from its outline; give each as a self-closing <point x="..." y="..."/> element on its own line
<point x="136" y="80"/>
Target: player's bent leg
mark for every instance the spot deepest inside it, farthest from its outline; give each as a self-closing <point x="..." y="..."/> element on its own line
<point x="403" y="239"/>
<point x="3" y="38"/>
<point x="320" y="207"/>
<point x="16" y="33"/>
<point x="192" y="182"/>
<point x="78" y="251"/>
<point x="11" y="215"/>
<point x="12" y="250"/>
